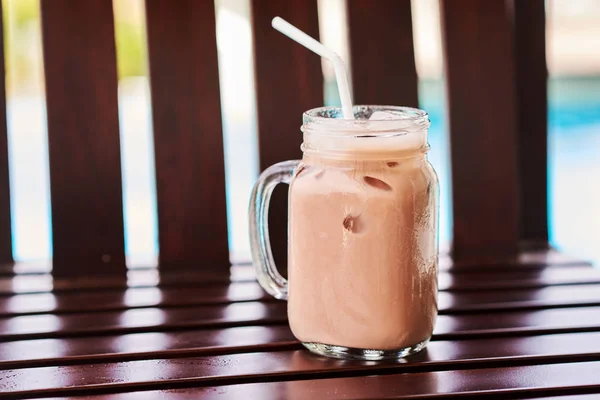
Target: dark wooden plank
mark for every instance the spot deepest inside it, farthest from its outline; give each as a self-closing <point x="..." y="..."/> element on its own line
<point x="529" y="258"/>
<point x="529" y="25"/>
<point x="507" y="300"/>
<point x="5" y="224"/>
<point x="243" y="291"/>
<point x="517" y="279"/>
<point x="382" y="56"/>
<point x="188" y="140"/>
<point x="253" y="367"/>
<point x="289" y="81"/>
<point x="548" y="258"/>
<point x="448" y="281"/>
<point x="70" y="302"/>
<point x="38" y="267"/>
<point x="572" y="397"/>
<point x="139" y="346"/>
<point x="209" y="342"/>
<point x="83" y="138"/>
<point x="480" y="82"/>
<point x="449" y="325"/>
<point x="143" y="320"/>
<point x="272" y="390"/>
<point x="135" y="279"/>
<point x="496" y="383"/>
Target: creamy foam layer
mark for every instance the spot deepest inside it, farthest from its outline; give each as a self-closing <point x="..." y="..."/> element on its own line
<point x="363" y="145"/>
<point x="363" y="249"/>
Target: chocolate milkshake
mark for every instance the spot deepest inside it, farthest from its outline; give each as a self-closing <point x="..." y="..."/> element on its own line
<point x="363" y="206"/>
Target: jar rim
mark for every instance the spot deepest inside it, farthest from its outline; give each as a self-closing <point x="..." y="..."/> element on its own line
<point x="330" y="119"/>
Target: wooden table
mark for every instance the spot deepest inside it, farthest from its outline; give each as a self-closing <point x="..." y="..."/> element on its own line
<point x="511" y="330"/>
<point x="529" y="327"/>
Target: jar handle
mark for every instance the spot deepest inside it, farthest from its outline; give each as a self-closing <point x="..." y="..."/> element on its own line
<point x="260" y="246"/>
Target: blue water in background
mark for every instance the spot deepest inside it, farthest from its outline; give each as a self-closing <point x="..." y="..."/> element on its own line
<point x="574" y="168"/>
<point x="573" y="165"/>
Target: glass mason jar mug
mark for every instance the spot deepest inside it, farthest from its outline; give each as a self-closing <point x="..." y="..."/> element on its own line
<point x="362" y="234"/>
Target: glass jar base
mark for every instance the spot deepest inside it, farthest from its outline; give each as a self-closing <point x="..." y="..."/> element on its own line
<point x="350" y="353"/>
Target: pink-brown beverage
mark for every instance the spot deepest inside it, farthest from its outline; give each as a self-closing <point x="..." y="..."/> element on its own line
<point x="363" y="222"/>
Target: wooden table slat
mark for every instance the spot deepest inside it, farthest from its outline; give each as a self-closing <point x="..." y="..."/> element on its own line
<point x="497" y="383"/>
<point x="471" y="281"/>
<point x="231" y="341"/>
<point x="504" y="328"/>
<point x="592" y="396"/>
<point x="6" y="255"/>
<point x="531" y="80"/>
<point x="523" y="322"/>
<point x="482" y="125"/>
<point x="188" y="139"/>
<point x="453" y="302"/>
<point x="80" y="68"/>
<point x="286" y="365"/>
<point x="147" y="345"/>
<point x="526" y="260"/>
<point x="382" y="57"/>
<point x="289" y="81"/>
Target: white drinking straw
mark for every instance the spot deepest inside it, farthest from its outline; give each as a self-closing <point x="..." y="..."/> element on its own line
<point x="339" y="67"/>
